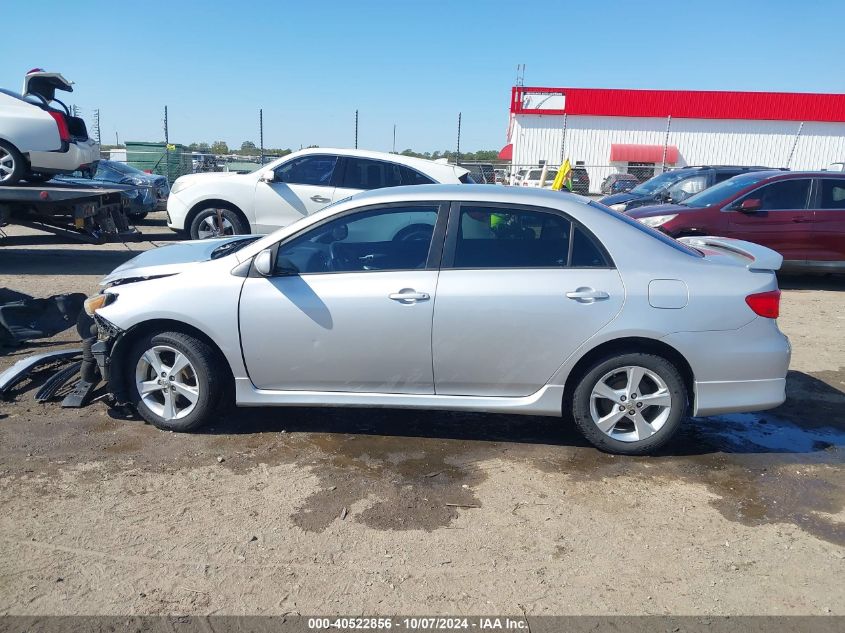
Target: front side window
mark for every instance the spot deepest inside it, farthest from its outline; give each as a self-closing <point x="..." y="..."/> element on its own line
<point x="783" y="195"/>
<point x="395" y="238"/>
<point x="832" y="193"/>
<point x="687" y="187"/>
<point x="307" y="170"/>
<point x="491" y="237"/>
<point x="362" y="173"/>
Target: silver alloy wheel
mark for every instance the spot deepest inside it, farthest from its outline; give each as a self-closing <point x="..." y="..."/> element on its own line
<point x="630" y="403"/>
<point x="214" y="225"/>
<point x="7" y="164"/>
<point x="167" y="382"/>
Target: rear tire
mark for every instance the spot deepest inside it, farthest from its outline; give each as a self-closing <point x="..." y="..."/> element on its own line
<point x="630" y="404"/>
<point x="12" y="165"/>
<point x="174" y="380"/>
<point x="217" y="221"/>
<point x="36" y="177"/>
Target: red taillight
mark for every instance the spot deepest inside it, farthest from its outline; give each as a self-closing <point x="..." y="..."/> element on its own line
<point x="765" y="304"/>
<point x="64" y="132"/>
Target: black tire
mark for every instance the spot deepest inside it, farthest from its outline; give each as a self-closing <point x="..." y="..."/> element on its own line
<point x="210" y="379"/>
<point x="581" y="396"/>
<point x="13" y="165"/>
<point x="233" y="222"/>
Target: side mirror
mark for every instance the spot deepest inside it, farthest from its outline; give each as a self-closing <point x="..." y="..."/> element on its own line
<point x="268" y="176"/>
<point x="264" y="262"/>
<point x="750" y="205"/>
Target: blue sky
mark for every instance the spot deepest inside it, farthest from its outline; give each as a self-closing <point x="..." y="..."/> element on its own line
<point x="415" y="63"/>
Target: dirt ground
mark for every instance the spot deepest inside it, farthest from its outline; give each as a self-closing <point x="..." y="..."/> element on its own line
<point x="385" y="512"/>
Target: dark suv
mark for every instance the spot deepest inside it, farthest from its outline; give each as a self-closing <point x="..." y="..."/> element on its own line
<point x="675" y="185"/>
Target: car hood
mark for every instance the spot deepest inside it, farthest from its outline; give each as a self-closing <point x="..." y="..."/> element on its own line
<point x="619" y="198"/>
<point x="658" y="209"/>
<point x="168" y="260"/>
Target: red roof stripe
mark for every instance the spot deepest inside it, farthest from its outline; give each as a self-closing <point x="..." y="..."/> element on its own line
<point x="692" y="104"/>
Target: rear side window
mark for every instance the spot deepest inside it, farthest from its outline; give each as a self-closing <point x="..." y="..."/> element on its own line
<point x="413" y="177"/>
<point x="492" y="237"/>
<point x="363" y="173"/>
<point x="832" y="193"/>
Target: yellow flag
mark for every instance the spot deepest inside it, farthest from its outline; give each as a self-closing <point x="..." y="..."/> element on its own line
<point x="564" y="177"/>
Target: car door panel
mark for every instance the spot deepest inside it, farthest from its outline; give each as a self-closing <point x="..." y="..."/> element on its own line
<point x="339" y="332"/>
<point x="784" y="223"/>
<point x="506" y="332"/>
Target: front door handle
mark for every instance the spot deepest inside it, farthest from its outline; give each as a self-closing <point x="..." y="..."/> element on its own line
<point x="318" y="198"/>
<point x="585" y="294"/>
<point x="408" y="295"/>
<point x="800" y="219"/>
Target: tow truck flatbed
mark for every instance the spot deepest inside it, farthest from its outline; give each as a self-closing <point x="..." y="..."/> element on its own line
<point x="90" y="213"/>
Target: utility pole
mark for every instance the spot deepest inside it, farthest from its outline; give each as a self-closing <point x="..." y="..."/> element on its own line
<point x="356" y="129"/>
<point x="394" y="138"/>
<point x="458" y="153"/>
<point x="116" y="139"/>
<point x="261" y="131"/>
<point x="166" y="147"/>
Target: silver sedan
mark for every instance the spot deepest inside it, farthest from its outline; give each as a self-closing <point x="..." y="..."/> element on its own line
<point x="479" y="298"/>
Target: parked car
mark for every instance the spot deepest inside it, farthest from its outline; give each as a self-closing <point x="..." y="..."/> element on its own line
<point x="619" y="183"/>
<point x="580" y="180"/>
<point x="152" y="189"/>
<point x="531" y="178"/>
<point x="281" y="192"/>
<point x="801" y="215"/>
<point x="512" y="300"/>
<point x="675" y="185"/>
<point x="37" y="139"/>
<point x="501" y="176"/>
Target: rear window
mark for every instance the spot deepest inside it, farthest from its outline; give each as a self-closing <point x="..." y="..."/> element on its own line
<point x="832" y="193"/>
<point x="467" y="179"/>
<point x="647" y="229"/>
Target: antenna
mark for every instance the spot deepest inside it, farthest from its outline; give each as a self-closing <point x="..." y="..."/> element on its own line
<point x="520" y="74"/>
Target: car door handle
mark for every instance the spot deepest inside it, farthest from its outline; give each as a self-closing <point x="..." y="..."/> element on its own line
<point x="408" y="295"/>
<point x="587" y="295"/>
<point x="801" y="220"/>
<point x="318" y="198"/>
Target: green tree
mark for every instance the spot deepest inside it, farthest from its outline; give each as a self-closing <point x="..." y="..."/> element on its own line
<point x="219" y="147"/>
<point x="248" y="147"/>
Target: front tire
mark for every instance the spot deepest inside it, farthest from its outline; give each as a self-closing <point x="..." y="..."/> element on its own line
<point x="630" y="404"/>
<point x="217" y="221"/>
<point x="12" y="165"/>
<point x="175" y="380"/>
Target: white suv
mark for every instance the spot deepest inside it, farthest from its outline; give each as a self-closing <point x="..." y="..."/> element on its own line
<point x="214" y="204"/>
<point x="38" y="140"/>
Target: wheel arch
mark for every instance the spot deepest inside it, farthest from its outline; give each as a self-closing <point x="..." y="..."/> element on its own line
<point x="210" y="203"/>
<point x="622" y="346"/>
<point x="124" y="344"/>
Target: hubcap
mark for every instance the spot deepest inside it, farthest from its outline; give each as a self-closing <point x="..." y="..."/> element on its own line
<point x="167" y="382"/>
<point x="214" y="225"/>
<point x="630" y="404"/>
<point x="7" y="165"/>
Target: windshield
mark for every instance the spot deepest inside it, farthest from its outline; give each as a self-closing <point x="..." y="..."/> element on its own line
<point x="724" y="190"/>
<point x="123" y="168"/>
<point x="661" y="182"/>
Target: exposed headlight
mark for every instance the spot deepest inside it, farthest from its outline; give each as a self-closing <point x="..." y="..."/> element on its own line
<point x="657" y="220"/>
<point x="92" y="304"/>
<point x="619" y="207"/>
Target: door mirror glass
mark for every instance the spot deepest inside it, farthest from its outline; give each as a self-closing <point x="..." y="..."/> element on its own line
<point x="750" y="205"/>
<point x="264" y="262"/>
<point x="267" y="176"/>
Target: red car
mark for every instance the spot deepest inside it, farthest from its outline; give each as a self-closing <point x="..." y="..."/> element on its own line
<point x="801" y="215"/>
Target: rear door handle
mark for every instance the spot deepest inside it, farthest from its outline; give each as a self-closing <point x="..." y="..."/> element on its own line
<point x="318" y="198"/>
<point x="800" y="220"/>
<point x="408" y="295"/>
<point x="587" y="295"/>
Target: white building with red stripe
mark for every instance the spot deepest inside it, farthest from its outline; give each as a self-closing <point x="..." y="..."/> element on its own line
<point x="648" y="131"/>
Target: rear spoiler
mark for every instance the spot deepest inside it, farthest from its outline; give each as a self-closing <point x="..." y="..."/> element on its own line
<point x="757" y="257"/>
